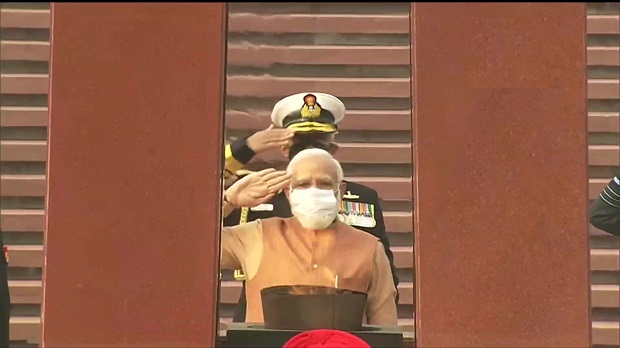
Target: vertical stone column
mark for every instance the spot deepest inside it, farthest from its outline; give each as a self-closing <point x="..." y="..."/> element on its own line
<point x="135" y="138"/>
<point x="499" y="96"/>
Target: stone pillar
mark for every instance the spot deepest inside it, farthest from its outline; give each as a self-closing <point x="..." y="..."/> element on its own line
<point x="135" y="137"/>
<point x="499" y="96"/>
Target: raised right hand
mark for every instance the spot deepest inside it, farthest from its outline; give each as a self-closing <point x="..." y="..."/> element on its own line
<point x="270" y="138"/>
<point x="257" y="188"/>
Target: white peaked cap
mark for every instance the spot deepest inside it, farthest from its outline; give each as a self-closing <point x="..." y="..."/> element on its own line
<point x="309" y="112"/>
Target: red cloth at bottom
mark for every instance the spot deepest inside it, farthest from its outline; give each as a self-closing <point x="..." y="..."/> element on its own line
<point x="325" y="339"/>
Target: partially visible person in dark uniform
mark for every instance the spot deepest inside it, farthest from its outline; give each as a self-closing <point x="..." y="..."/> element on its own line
<point x="313" y="117"/>
<point x="605" y="211"/>
<point x="5" y="300"/>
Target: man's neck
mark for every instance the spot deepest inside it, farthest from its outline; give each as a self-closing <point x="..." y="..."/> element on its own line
<point x="330" y="228"/>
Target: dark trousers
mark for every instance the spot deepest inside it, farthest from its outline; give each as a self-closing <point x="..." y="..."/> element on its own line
<point x="239" y="316"/>
<point x="5" y="305"/>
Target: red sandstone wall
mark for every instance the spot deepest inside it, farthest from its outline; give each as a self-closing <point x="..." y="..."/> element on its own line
<point x="360" y="53"/>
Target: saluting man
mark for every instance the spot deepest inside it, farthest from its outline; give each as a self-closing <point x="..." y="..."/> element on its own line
<point x="305" y="120"/>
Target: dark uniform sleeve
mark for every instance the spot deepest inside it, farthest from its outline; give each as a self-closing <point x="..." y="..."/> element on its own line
<point x="380" y="232"/>
<point x="605" y="211"/>
<point x="236" y="155"/>
<point x="5" y="300"/>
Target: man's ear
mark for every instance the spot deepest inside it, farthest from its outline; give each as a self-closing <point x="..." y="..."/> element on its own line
<point x="333" y="148"/>
<point x="343" y="189"/>
<point x="285" y="150"/>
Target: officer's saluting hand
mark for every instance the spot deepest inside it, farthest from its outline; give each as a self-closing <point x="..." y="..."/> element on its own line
<point x="270" y="138"/>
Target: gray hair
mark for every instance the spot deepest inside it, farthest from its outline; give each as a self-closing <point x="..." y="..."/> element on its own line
<point x="314" y="152"/>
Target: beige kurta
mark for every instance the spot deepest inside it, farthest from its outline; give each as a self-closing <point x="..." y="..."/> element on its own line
<point x="278" y="251"/>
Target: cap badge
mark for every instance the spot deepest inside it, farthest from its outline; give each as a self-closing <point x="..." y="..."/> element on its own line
<point x="311" y="108"/>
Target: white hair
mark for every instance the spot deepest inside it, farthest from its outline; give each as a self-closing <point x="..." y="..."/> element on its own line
<point x="314" y="152"/>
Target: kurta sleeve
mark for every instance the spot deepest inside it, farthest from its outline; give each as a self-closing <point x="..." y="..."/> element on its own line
<point x="381" y="307"/>
<point x="239" y="242"/>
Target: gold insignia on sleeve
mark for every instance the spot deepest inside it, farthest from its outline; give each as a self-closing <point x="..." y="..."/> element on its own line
<point x="311" y="108"/>
<point x="239" y="276"/>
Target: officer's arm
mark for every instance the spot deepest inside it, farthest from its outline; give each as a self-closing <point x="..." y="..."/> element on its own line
<point x="605" y="211"/>
<point x="236" y="155"/>
<point x="382" y="235"/>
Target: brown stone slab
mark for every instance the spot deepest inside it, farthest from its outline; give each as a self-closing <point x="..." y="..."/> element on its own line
<point x="301" y="23"/>
<point x="398" y="221"/>
<point x="26" y="19"/>
<point x="605" y="296"/>
<point x="604" y="89"/>
<point x="603" y="155"/>
<point x="26" y="291"/>
<point x="318" y="23"/>
<point x="606" y="122"/>
<point x="33" y="51"/>
<point x="22" y="220"/>
<point x="22" y="185"/>
<point x="20" y="116"/>
<point x="270" y="86"/>
<point x="609" y="24"/>
<point x="501" y="250"/>
<point x="26" y="256"/>
<point x="265" y="56"/>
<point x="376" y="120"/>
<point x="24" y="83"/>
<point x="276" y="87"/>
<point x="23" y="150"/>
<point x="25" y="329"/>
<point x="606" y="333"/>
<point x="133" y="205"/>
<point x="603" y="56"/>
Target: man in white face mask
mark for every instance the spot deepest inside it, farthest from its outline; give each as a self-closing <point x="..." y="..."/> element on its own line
<point x="311" y="248"/>
<point x="315" y="189"/>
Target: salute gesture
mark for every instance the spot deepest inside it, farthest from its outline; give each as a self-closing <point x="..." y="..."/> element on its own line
<point x="270" y="138"/>
<point x="256" y="188"/>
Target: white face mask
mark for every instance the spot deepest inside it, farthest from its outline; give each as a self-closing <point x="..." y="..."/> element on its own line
<point x="314" y="208"/>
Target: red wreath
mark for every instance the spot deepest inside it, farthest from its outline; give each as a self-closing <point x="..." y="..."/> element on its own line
<point x="325" y="339"/>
